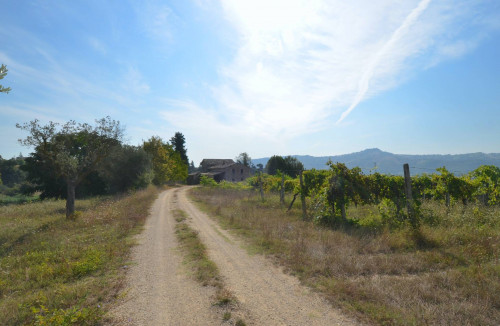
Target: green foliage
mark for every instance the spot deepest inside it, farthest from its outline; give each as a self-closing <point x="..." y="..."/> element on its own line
<point x="178" y="143"/>
<point x="288" y="165"/>
<point x="207" y="181"/>
<point x="486" y="181"/>
<point x="331" y="192"/>
<point x="126" y="167"/>
<point x="11" y="172"/>
<point x="3" y="73"/>
<point x="60" y="317"/>
<point x="168" y="165"/>
<point x="72" y="151"/>
<point x="272" y="183"/>
<point x="244" y="159"/>
<point x="345" y="186"/>
<point x="90" y="262"/>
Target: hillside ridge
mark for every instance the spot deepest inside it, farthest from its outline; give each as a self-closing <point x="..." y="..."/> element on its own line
<point x="375" y="160"/>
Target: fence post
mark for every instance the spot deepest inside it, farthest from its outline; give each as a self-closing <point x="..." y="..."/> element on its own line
<point x="303" y="198"/>
<point x="282" y="191"/>
<point x="409" y="198"/>
<point x="260" y="187"/>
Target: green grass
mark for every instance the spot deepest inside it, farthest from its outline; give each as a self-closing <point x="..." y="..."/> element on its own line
<point x="55" y="271"/>
<point x="446" y="273"/>
<point x="17" y="199"/>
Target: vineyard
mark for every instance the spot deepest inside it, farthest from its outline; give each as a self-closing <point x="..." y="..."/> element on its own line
<point x="354" y="241"/>
<point x="329" y="193"/>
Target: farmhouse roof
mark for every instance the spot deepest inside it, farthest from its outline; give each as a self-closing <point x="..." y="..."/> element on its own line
<point x="216" y="162"/>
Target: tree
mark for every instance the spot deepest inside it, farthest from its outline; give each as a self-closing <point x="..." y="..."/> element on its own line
<point x="3" y="73"/>
<point x="167" y="163"/>
<point x="288" y="165"/>
<point x="11" y="172"/>
<point x="127" y="167"/>
<point x="72" y="151"/>
<point x="178" y="143"/>
<point x="244" y="159"/>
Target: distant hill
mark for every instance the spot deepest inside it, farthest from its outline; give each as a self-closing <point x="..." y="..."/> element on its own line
<point x="371" y="160"/>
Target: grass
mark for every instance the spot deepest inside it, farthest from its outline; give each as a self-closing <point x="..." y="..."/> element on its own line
<point x="447" y="273"/>
<point x="55" y="271"/>
<point x="195" y="252"/>
<point x="17" y="199"/>
<point x="205" y="270"/>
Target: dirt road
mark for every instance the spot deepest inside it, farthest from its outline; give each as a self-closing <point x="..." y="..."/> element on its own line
<point x="162" y="293"/>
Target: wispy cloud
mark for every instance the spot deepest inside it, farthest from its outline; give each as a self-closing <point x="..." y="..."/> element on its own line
<point x="157" y="19"/>
<point x="387" y="48"/>
<point x="302" y="65"/>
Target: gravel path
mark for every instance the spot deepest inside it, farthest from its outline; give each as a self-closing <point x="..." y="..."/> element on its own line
<point x="270" y="296"/>
<point x="159" y="290"/>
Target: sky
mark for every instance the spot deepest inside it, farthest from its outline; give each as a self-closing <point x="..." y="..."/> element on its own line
<point x="264" y="77"/>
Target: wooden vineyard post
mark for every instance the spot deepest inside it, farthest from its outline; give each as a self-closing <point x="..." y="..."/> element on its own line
<point x="282" y="191"/>
<point x="409" y="198"/>
<point x="303" y="198"/>
<point x="260" y="187"/>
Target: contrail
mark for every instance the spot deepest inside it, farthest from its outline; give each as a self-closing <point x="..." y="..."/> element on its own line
<point x="364" y="83"/>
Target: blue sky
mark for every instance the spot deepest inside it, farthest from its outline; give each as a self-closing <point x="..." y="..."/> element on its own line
<point x="265" y="77"/>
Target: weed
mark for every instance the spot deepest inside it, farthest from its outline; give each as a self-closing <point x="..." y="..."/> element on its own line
<point x="240" y="322"/>
<point x="226" y="316"/>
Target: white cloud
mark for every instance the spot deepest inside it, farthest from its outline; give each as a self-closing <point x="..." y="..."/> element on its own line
<point x="300" y="64"/>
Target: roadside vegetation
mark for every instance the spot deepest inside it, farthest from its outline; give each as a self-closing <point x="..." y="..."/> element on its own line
<point x="368" y="257"/>
<point x="205" y="270"/>
<point x="55" y="271"/>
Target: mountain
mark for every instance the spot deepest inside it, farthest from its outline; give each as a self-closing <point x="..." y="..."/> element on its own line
<point x="371" y="160"/>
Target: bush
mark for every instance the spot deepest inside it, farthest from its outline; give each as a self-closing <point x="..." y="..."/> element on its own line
<point x="206" y="181"/>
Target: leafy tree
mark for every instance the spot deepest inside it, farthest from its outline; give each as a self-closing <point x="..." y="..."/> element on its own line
<point x="244" y="159"/>
<point x="274" y="164"/>
<point x="11" y="172"/>
<point x="178" y="143"/>
<point x="127" y="167"/>
<point x="3" y="73"/>
<point x="288" y="165"/>
<point x="72" y="151"/>
<point x="167" y="163"/>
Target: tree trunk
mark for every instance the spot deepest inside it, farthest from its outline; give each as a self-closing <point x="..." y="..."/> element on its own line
<point x="70" y="198"/>
<point x="447" y="199"/>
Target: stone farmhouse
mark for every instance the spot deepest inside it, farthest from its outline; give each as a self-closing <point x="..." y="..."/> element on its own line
<point x="221" y="169"/>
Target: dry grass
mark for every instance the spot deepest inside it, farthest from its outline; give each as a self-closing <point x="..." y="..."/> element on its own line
<point x="55" y="271"/>
<point x="447" y="274"/>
